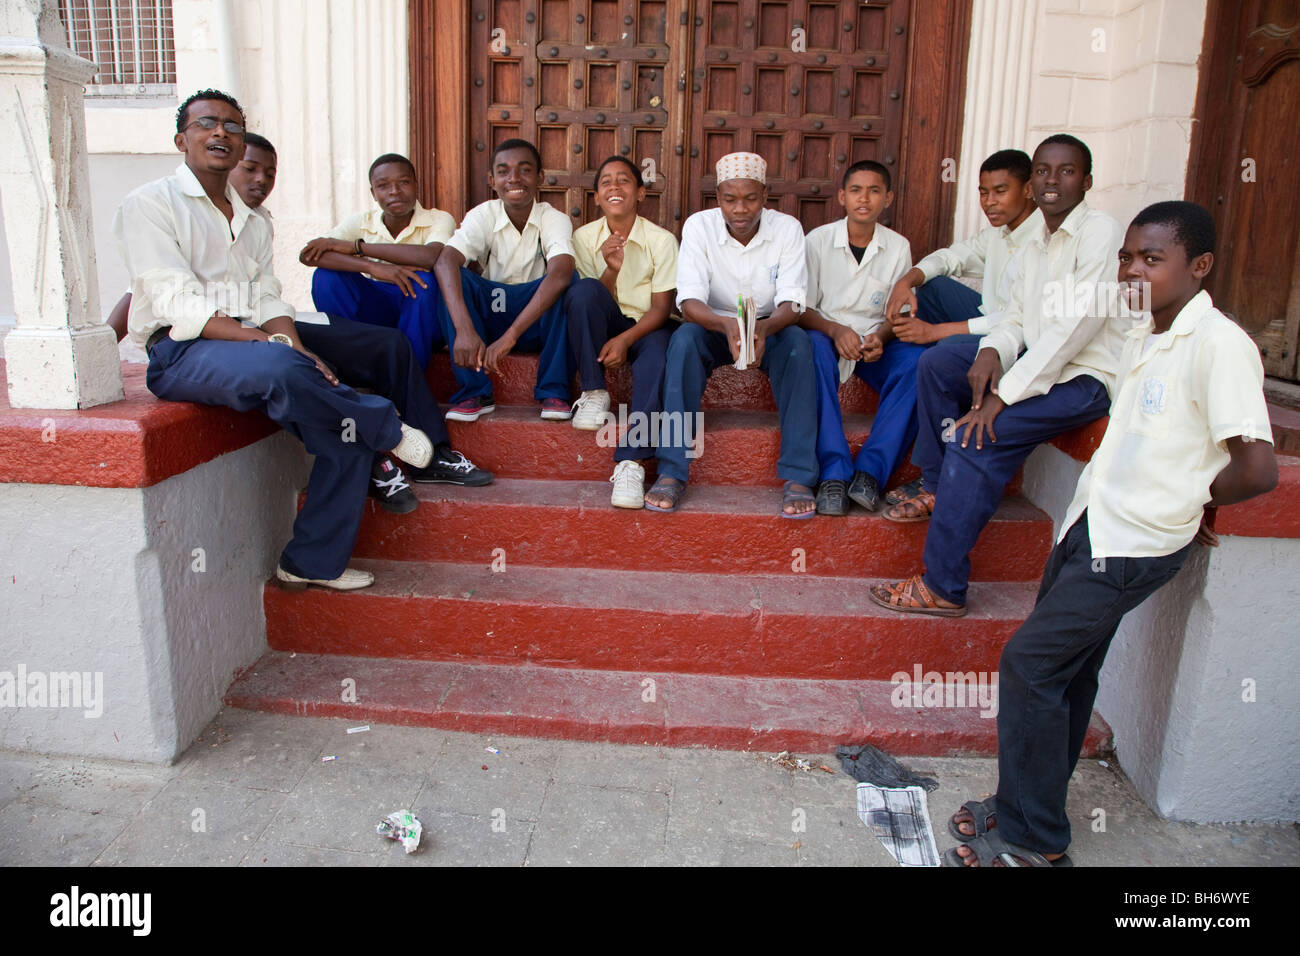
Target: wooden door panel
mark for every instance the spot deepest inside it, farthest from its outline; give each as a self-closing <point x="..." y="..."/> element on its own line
<point x="802" y="84"/>
<point x="1242" y="160"/>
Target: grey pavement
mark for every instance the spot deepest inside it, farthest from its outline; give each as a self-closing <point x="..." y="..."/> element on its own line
<point x="254" y="791"/>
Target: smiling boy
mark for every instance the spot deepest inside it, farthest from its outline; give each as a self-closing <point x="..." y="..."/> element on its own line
<point x="741" y="248"/>
<point x="376" y="266"/>
<point x="941" y="306"/>
<point x="852" y="265"/>
<point x="206" y="307"/>
<point x="1188" y="433"/>
<point x="983" y="406"/>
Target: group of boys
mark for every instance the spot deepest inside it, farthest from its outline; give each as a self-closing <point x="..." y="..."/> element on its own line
<point x="1004" y="370"/>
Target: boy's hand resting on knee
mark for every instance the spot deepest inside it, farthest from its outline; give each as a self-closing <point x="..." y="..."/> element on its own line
<point x="405" y="278"/>
<point x="613" y="353"/>
<point x="497" y="351"/>
<point x="980" y="420"/>
<point x="872" y="347"/>
<point x="318" y="247"/>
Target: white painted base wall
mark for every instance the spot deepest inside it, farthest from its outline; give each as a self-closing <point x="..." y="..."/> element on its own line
<point x="1172" y="686"/>
<point x="103" y="580"/>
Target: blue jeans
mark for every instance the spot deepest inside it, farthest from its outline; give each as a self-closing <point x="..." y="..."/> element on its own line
<point x="968" y="483"/>
<point x="893" y="430"/>
<point x="1047" y="680"/>
<point x="694" y="352"/>
<point x="352" y="295"/>
<point x="286" y="385"/>
<point x="492" y="307"/>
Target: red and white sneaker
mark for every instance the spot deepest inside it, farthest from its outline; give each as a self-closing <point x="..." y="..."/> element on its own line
<point x="470" y="409"/>
<point x="556" y="410"/>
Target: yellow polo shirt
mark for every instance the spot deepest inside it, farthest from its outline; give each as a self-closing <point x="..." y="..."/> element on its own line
<point x="649" y="262"/>
<point x="1175" y="407"/>
<point x="426" y="226"/>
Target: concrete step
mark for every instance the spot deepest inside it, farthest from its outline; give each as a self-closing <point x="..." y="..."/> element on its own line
<point x="786" y="625"/>
<point x="718" y="529"/>
<point x="641" y="706"/>
<point x="727" y="388"/>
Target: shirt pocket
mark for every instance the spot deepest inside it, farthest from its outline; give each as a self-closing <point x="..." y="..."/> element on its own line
<point x="875" y="294"/>
<point x="1152" y="407"/>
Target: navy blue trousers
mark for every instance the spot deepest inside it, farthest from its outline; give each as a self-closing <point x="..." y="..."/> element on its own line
<point x="363" y="299"/>
<point x="968" y="483"/>
<point x="694" y="352"/>
<point x="1047" y="680"/>
<point x="492" y="307"/>
<point x="944" y="299"/>
<point x="593" y="319"/>
<point x="286" y="385"/>
<point x="893" y="430"/>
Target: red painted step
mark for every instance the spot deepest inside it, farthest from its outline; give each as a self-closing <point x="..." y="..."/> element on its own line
<point x="727" y="388"/>
<point x="790" y="625"/>
<point x="719" y="529"/>
<point x="684" y="710"/>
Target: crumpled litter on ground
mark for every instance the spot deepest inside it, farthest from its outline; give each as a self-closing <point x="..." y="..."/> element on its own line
<point x="792" y="762"/>
<point x="404" y="827"/>
<point x="868" y="764"/>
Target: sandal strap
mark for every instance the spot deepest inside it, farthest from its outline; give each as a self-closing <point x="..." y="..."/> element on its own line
<point x="992" y="847"/>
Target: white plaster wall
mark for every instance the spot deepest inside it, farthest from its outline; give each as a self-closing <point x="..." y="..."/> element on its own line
<point x="1131" y="101"/>
<point x="1171" y="688"/>
<point x="116" y="592"/>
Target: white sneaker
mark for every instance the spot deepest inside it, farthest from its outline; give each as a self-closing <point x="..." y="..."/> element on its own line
<point x="589" y="410"/>
<point x="414" y="448"/>
<point x="350" y="580"/>
<point x="629" y="485"/>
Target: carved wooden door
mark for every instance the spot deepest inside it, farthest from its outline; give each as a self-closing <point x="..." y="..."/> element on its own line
<point x="811" y="87"/>
<point x="1245" y="163"/>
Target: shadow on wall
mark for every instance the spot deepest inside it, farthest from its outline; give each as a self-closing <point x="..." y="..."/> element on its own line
<point x="112" y="176"/>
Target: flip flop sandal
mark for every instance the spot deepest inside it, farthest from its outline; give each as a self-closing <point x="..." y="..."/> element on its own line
<point x="991" y="848"/>
<point x="903" y="492"/>
<point x="981" y="812"/>
<point x="671" y="489"/>
<point x="911" y="596"/>
<point x="911" y="510"/>
<point x="790" y="497"/>
<point x="832" y="498"/>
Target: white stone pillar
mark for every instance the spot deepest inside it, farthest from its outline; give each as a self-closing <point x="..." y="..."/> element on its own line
<point x="999" y="71"/>
<point x="60" y="355"/>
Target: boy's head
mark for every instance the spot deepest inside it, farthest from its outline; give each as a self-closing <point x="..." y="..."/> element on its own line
<point x="254" y="176"/>
<point x="210" y="131"/>
<point x="393" y="184"/>
<point x="620" y="187"/>
<point x="742" y="191"/>
<point x="516" y="168"/>
<point x="1005" y="193"/>
<point x="1060" y="175"/>
<point x="1169" y="246"/>
<point x="865" y="191"/>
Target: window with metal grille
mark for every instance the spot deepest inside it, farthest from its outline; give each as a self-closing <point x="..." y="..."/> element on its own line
<point x="131" y="42"/>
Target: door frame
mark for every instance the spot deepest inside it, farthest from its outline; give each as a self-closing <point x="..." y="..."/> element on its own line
<point x="937" y="50"/>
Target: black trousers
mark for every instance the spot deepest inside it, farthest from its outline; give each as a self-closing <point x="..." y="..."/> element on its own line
<point x="1047" y="680"/>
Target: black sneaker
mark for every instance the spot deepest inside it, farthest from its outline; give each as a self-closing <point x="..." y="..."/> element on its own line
<point x="865" y="491"/>
<point x="451" y="468"/>
<point x="388" y="484"/>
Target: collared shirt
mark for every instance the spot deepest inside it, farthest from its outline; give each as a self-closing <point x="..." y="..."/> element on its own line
<point x="1175" y="408"/>
<point x="488" y="237"/>
<point x="1055" y="313"/>
<point x="426" y="226"/>
<point x="991" y="253"/>
<point x="649" y="262"/>
<point x="714" y="268"/>
<point x="187" y="261"/>
<point x="850" y="292"/>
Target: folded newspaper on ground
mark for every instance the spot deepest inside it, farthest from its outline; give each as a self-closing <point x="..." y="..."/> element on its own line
<point x="900" y="819"/>
<point x="747" y="319"/>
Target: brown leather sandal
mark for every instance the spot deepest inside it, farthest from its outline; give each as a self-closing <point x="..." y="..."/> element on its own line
<point x="911" y="596"/>
<point x="911" y="510"/>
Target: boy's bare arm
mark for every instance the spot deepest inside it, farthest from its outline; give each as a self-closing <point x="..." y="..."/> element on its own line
<point x="419" y="256"/>
<point x="558" y="273"/>
<point x="117" y="318"/>
<point x="1252" y="471"/>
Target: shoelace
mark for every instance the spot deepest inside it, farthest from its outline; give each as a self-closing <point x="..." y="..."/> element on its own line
<point x="582" y="402"/>
<point x="459" y="463"/>
<point x="624" y="476"/>
<point x="393" y="485"/>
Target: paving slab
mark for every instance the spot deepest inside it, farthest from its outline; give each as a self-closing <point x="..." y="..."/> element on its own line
<point x="594" y="826"/>
<point x="37" y="834"/>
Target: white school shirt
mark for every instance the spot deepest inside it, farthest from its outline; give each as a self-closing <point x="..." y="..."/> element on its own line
<point x="714" y="268"/>
<point x="426" y="226"/>
<point x="187" y="262"/>
<point x="488" y="237"/>
<point x="1060" y="340"/>
<point x="992" y="253"/>
<point x="1175" y="407"/>
<point x="850" y="292"/>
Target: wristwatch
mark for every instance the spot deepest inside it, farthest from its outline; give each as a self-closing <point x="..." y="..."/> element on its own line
<point x="282" y="339"/>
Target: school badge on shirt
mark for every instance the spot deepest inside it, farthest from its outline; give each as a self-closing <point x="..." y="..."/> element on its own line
<point x="1152" y="400"/>
<point x="877" y="298"/>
